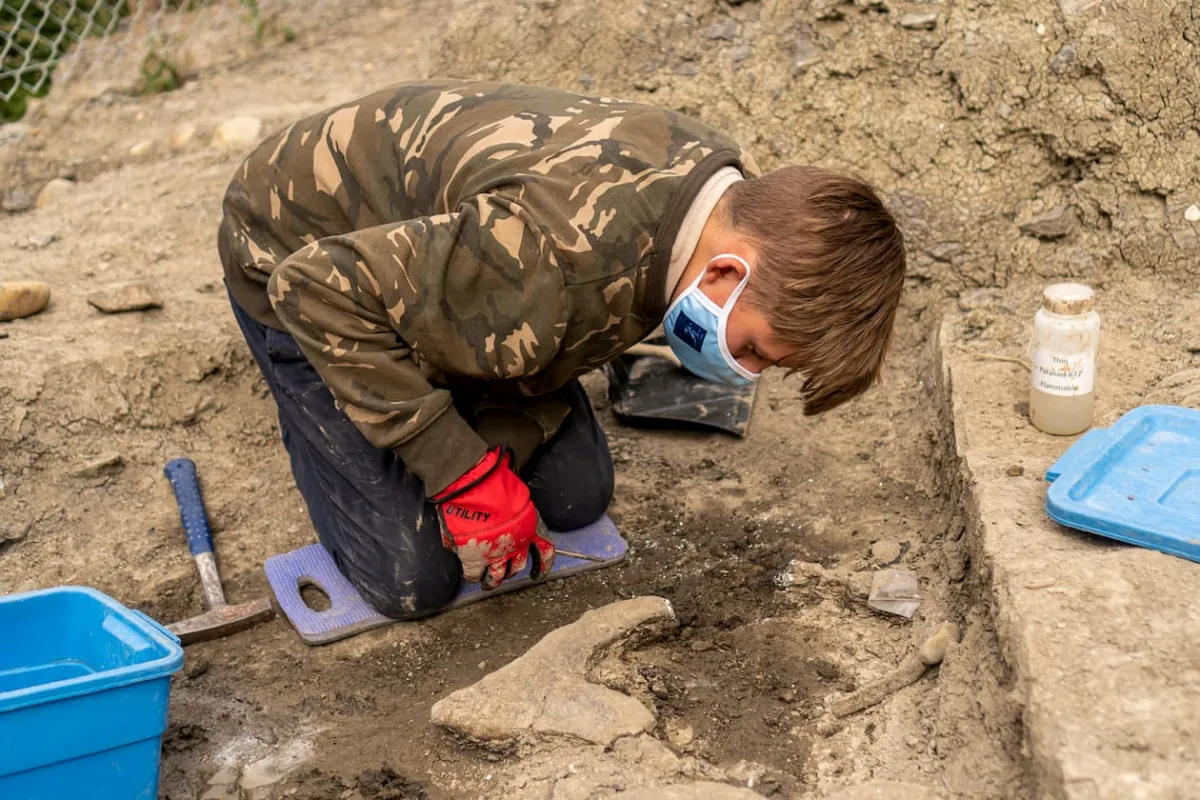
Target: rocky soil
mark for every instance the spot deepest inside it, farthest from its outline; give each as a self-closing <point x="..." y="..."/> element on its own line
<point x="1017" y="142"/>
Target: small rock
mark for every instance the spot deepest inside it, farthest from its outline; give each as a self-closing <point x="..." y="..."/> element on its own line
<point x="702" y="645"/>
<point x="858" y="584"/>
<point x="725" y="29"/>
<point x="12" y="532"/>
<point x="1054" y="224"/>
<point x="182" y="136"/>
<point x="105" y="464"/>
<point x="1064" y="59"/>
<point x="220" y="793"/>
<point x="141" y="148"/>
<point x="3" y="334"/>
<point x="545" y="691"/>
<point x="17" y="201"/>
<point x="119" y="299"/>
<point x="924" y="21"/>
<point x="37" y="242"/>
<point x="679" y="734"/>
<point x="787" y="696"/>
<point x="804" y="55"/>
<point x="227" y="776"/>
<point x="1192" y="213"/>
<point x="586" y="81"/>
<point x="828" y="726"/>
<point x="55" y="191"/>
<point x="1186" y="240"/>
<point x="740" y="53"/>
<point x="1015" y="471"/>
<point x="688" y="69"/>
<point x="885" y="553"/>
<point x="944" y="251"/>
<point x="933" y="649"/>
<point x="22" y="299"/>
<point x="646" y="85"/>
<point x="238" y="132"/>
<point x="195" y="669"/>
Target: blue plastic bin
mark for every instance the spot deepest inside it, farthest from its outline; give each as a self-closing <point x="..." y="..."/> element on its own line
<point x="84" y="685"/>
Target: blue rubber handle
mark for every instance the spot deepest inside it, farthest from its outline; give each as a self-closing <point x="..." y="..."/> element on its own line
<point x="182" y="474"/>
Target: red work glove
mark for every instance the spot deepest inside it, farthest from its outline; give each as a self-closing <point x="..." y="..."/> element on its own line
<point x="490" y="523"/>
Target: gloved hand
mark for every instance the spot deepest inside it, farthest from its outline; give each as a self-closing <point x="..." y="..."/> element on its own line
<point x="489" y="522"/>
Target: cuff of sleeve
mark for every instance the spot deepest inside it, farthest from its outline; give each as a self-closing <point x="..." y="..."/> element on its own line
<point x="444" y="451"/>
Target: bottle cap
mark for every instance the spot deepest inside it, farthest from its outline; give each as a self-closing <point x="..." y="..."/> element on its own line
<point x="1068" y="299"/>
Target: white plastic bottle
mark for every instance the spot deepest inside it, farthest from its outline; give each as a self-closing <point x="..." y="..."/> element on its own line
<point x="1066" y="333"/>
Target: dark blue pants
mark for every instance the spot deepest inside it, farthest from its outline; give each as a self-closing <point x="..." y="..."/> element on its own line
<point x="371" y="513"/>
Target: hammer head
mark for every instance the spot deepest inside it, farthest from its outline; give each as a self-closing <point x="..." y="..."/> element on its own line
<point x="222" y="621"/>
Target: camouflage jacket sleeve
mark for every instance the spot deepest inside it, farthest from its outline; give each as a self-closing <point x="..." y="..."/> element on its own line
<point x="379" y="310"/>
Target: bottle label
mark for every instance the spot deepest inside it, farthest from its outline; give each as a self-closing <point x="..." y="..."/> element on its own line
<point x="1066" y="375"/>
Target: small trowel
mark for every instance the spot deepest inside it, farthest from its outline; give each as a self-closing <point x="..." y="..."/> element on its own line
<point x="648" y="387"/>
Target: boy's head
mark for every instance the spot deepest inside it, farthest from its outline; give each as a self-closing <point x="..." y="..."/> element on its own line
<point x="827" y="270"/>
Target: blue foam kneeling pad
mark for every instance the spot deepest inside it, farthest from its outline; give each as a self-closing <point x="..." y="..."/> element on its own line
<point x="1137" y="482"/>
<point x="348" y="614"/>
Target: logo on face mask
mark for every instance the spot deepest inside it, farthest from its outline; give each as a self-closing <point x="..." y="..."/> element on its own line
<point x="689" y="332"/>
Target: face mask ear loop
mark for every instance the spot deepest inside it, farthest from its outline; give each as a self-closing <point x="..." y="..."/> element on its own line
<point x="723" y="320"/>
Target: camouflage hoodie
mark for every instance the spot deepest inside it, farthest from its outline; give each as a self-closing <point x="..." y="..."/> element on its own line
<point x="447" y="234"/>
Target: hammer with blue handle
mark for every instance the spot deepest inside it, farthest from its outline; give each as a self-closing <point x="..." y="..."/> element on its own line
<point x="221" y="619"/>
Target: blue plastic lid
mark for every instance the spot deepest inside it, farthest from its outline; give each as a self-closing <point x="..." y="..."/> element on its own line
<point x="73" y="640"/>
<point x="1137" y="482"/>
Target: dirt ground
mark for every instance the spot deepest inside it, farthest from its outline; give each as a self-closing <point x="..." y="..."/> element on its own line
<point x="973" y="127"/>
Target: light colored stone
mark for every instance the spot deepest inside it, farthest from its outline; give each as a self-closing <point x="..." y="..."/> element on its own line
<point x="22" y="299"/>
<point x="182" y="136"/>
<point x="1054" y="224"/>
<point x="885" y="790"/>
<point x="37" y="241"/>
<point x="226" y="776"/>
<point x="141" y="148"/>
<point x="104" y="464"/>
<point x="545" y="691"/>
<point x="1192" y="213"/>
<point x="127" y="297"/>
<point x="55" y="191"/>
<point x="238" y="132"/>
<point x="679" y="734"/>
<point x="922" y="21"/>
<point x="726" y="30"/>
<point x="933" y="650"/>
<point x="700" y="790"/>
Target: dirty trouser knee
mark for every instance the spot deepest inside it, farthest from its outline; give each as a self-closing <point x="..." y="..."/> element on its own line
<point x="369" y="512"/>
<point x="570" y="477"/>
<point x="372" y="514"/>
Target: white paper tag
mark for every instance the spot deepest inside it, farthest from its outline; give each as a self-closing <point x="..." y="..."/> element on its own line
<point x="1067" y="375"/>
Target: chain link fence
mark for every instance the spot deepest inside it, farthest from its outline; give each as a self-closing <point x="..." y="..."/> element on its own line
<point x="45" y="41"/>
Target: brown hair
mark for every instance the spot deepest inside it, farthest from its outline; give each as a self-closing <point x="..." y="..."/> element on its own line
<point x="829" y="275"/>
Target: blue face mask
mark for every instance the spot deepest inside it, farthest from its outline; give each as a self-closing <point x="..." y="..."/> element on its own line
<point x="695" y="329"/>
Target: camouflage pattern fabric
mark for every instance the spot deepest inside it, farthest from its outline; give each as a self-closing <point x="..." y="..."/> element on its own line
<point x="495" y="237"/>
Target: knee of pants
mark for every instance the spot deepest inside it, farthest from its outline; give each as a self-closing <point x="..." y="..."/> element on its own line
<point x="406" y="591"/>
<point x="577" y="504"/>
